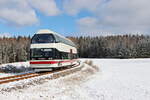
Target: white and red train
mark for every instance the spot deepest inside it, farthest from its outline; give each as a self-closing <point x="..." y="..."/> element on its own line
<point x="50" y="50"/>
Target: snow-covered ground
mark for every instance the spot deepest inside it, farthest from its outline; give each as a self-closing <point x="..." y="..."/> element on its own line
<point x="14" y="68"/>
<point x="117" y="79"/>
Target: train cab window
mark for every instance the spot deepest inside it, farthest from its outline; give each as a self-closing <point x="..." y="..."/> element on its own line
<point x="42" y="54"/>
<point x="43" y="38"/>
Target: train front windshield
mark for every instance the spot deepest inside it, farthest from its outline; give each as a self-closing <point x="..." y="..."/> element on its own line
<point x="42" y="38"/>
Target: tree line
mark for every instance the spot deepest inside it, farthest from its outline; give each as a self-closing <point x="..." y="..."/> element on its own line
<point x="120" y="46"/>
<point x="15" y="49"/>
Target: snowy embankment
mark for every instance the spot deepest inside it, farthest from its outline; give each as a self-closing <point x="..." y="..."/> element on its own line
<point x="14" y="68"/>
<point x="117" y="79"/>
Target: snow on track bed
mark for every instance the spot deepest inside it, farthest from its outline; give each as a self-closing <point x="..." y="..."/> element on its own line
<point x="38" y="78"/>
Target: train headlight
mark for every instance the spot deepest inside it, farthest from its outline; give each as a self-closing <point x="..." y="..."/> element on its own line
<point x="47" y="49"/>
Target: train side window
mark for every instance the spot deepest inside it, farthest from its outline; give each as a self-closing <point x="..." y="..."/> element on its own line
<point x="57" y="54"/>
<point x="64" y="55"/>
<point x="62" y="40"/>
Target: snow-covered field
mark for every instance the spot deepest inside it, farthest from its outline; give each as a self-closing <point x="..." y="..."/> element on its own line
<point x="117" y="79"/>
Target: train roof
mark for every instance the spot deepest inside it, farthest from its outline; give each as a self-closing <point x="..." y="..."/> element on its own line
<point x="43" y="31"/>
<point x="47" y="31"/>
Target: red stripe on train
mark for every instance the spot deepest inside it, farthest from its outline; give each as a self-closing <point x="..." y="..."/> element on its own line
<point x="44" y="62"/>
<point x="49" y="62"/>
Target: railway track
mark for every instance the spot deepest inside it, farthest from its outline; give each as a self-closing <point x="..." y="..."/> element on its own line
<point x="19" y="77"/>
<point x="29" y="75"/>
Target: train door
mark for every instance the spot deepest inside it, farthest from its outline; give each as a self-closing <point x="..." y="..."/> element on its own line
<point x="71" y="57"/>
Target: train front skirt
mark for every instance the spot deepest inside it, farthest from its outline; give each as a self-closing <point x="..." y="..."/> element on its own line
<point x="48" y="65"/>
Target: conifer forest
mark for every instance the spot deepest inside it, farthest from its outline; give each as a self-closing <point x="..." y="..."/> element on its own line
<point x="15" y="49"/>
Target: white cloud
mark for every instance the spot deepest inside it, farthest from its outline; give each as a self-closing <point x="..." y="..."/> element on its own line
<point x="22" y="13"/>
<point x="17" y="13"/>
<point x="125" y="15"/>
<point x="88" y="24"/>
<point x="112" y="15"/>
<point x="73" y="7"/>
<point x="5" y="35"/>
<point x="18" y="18"/>
<point x="48" y="7"/>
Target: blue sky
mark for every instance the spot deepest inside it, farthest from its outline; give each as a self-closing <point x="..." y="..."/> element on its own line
<point x="62" y="24"/>
<point x="74" y="17"/>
